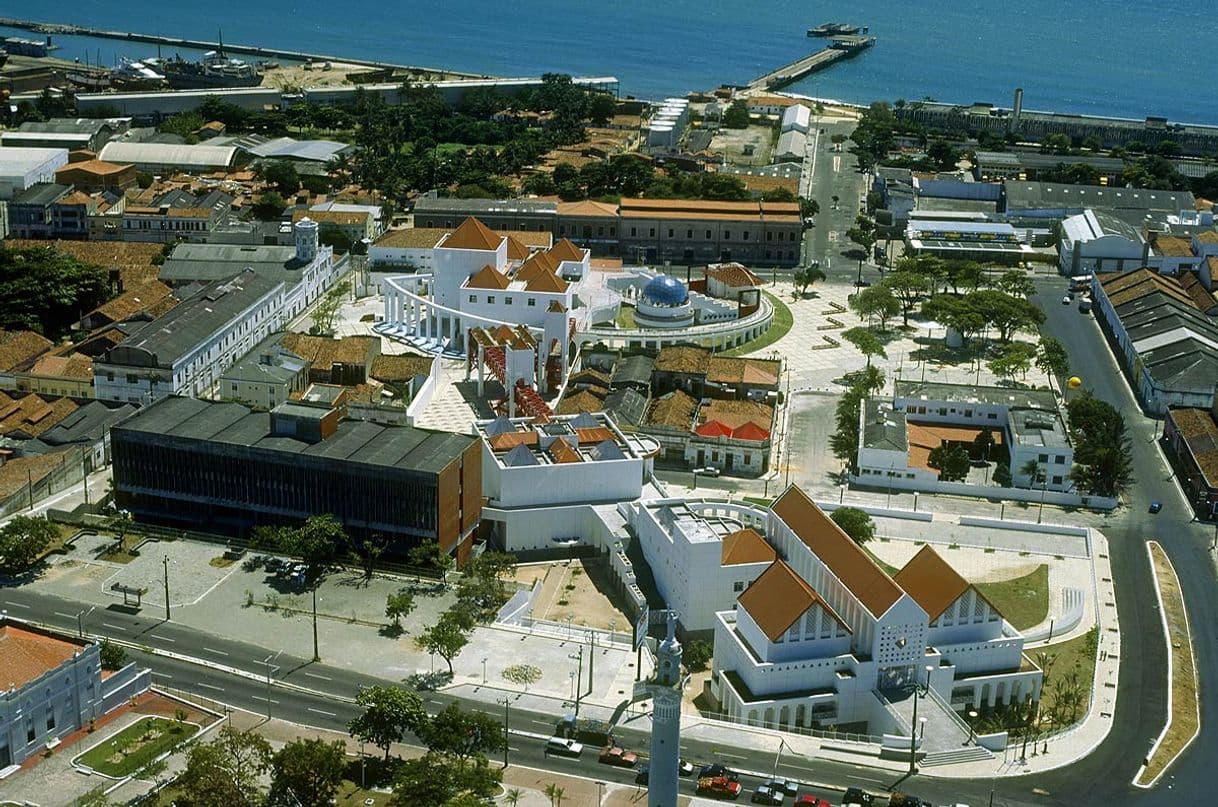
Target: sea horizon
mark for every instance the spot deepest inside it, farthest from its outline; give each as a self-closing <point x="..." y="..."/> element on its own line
<point x="940" y="52"/>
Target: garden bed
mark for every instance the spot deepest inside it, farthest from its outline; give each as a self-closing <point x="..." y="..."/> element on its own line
<point x="136" y="746"/>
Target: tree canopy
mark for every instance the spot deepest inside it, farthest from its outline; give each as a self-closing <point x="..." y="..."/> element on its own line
<point x="854" y="522"/>
<point x="951" y="461"/>
<point x="224" y="771"/>
<point x="22" y="541"/>
<point x="46" y="291"/>
<point x="389" y="713"/>
<point x="307" y="771"/>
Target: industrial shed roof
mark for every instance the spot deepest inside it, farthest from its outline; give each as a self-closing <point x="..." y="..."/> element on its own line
<point x="169" y="154"/>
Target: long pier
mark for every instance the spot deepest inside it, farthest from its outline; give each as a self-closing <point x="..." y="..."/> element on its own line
<point x="842" y="47"/>
<point x="65" y="29"/>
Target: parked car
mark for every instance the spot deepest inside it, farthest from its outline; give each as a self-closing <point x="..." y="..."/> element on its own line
<point x="564" y="747"/>
<point x="719" y="787"/>
<point x="684" y="767"/>
<point x="616" y="755"/>
<point x="641" y="777"/>
<point x="784" y="786"/>
<point x="766" y="795"/>
<point x="898" y="799"/>
<point x="717" y="770"/>
<point x="858" y="797"/>
<point x="1069" y="298"/>
<point x="808" y="800"/>
<point x="1155" y="507"/>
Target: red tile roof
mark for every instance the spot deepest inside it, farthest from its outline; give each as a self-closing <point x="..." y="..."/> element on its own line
<point x="778" y="598"/>
<point x="26" y="654"/>
<point x="473" y="234"/>
<point x="746" y="546"/>
<point x="488" y="278"/>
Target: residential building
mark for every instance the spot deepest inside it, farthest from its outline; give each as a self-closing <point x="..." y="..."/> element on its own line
<point x="146" y="301"/>
<point x="1164" y="332"/>
<point x="1190" y="436"/>
<point x="411" y="485"/>
<point x="19" y="349"/>
<point x="729" y="435"/>
<point x="266" y="376"/>
<point x="185" y="351"/>
<point x="375" y="212"/>
<point x="54" y="686"/>
<point x="354" y="225"/>
<point x="346" y="361"/>
<point x="825" y="636"/>
<point x="30" y="213"/>
<point x="702" y="374"/>
<point x="67" y="373"/>
<point x="22" y="167"/>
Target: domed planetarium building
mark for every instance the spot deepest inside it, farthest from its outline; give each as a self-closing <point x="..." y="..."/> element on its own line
<point x="664" y="303"/>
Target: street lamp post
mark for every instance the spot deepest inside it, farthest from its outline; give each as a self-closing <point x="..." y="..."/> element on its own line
<point x="316" y="655"/>
<point x="166" y="562"/>
<point x="270" y="670"/>
<point x="600" y="790"/>
<point x="80" y="620"/>
<point x="506" y="702"/>
<point x="972" y="714"/>
<point x="484" y="670"/>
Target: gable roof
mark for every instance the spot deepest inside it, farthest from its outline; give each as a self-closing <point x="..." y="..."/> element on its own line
<point x="778" y="598"/>
<point x="746" y="546"/>
<point x="26" y="654"/>
<point x="933" y="583"/>
<point x="837" y="551"/>
<point x="733" y="274"/>
<point x="564" y="250"/>
<point x="546" y="282"/>
<point x="19" y="347"/>
<point x="488" y="278"/>
<point x="516" y="251"/>
<point x="473" y="234"/>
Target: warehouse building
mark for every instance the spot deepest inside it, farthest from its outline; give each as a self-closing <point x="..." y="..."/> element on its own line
<point x="168" y="157"/>
<point x="411" y="485"/>
<point x="22" y="167"/>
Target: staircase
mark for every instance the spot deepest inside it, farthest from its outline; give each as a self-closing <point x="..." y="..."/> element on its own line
<point x="972" y="753"/>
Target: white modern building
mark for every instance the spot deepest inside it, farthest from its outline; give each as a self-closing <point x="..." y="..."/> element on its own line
<point x="825" y="636"/>
<point x="20" y="168"/>
<point x="667" y="125"/>
<point x="792" y="146"/>
<point x="53" y="687"/>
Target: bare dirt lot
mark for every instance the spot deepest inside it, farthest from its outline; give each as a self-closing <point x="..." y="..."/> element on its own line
<point x="582" y="590"/>
<point x="733" y="143"/>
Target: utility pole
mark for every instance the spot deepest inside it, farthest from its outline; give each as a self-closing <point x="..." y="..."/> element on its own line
<point x="316" y="655"/>
<point x="579" y="677"/>
<point x="591" y="659"/>
<point x="166" y="562"/>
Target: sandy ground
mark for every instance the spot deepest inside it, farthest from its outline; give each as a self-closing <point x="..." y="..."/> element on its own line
<point x="588" y="603"/>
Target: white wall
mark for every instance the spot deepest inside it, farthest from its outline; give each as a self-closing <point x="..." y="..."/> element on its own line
<point x="22" y="167"/>
<point x="568" y="483"/>
<point x="478" y="302"/>
<point x="452" y="267"/>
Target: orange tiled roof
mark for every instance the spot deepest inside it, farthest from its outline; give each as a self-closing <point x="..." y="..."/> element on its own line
<point x="516" y="251"/>
<point x="733" y="274"/>
<point x="488" y="278"/>
<point x="509" y="440"/>
<point x="473" y="234"/>
<point x="546" y="282"/>
<point x="778" y="598"/>
<point x="674" y="410"/>
<point x="1173" y="247"/>
<point x="562" y="452"/>
<point x="841" y="555"/>
<point x="932" y="583"/>
<point x="25" y="654"/>
<point x="564" y="250"/>
<point x="133" y="301"/>
<point x="746" y="546"/>
<point x="582" y="401"/>
<point x="18" y="347"/>
<point x="76" y="365"/>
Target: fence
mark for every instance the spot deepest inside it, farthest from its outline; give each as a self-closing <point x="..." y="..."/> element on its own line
<point x="823" y="734"/>
<point x="44" y="477"/>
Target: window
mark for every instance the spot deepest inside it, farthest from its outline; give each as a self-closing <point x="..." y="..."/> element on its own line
<point x="992" y="416"/>
<point x="652" y="232"/>
<point x="746" y="235"/>
<point x="968" y="413"/>
<point x="1057" y="480"/>
<point x="132" y="378"/>
<point x="748" y="458"/>
<point x="29" y="730"/>
<point x="708" y="235"/>
<point x="532" y="301"/>
<point x="1059" y="460"/>
<point x="507" y="300"/>
<point x="689" y="234"/>
<point x="50" y="717"/>
<point x="670" y="232"/>
<point x="490" y="299"/>
<point x="738" y="585"/>
<point x="770" y="236"/>
<point x="633" y="232"/>
<point x="727" y="235"/>
<point x="1042" y="458"/>
<point x="942" y="411"/>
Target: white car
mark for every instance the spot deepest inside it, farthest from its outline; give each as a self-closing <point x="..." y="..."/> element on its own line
<point x="1067" y="299"/>
<point x="564" y="747"/>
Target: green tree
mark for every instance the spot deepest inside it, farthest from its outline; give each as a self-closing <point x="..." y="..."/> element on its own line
<point x="808" y="208"/>
<point x="909" y="287"/>
<point x="956" y="313"/>
<point x="430" y="556"/>
<point x="446" y="638"/>
<point x="1052" y="359"/>
<point x="1056" y="143"/>
<point x="736" y="116"/>
<point x="944" y="154"/>
<point x="327" y="308"/>
<point x="113" y="656"/>
<point x="1014" y="358"/>
<point x="863" y="233"/>
<point x="226" y="770"/>
<point x="482" y="585"/>
<point x="951" y="461"/>
<point x="399" y="605"/>
<point x="983" y="443"/>
<point x="44" y="290"/>
<point x="22" y="541"/>
<point x="1207" y="186"/>
<point x="1002" y="476"/>
<point x="436" y="780"/>
<point x="539" y="184"/>
<point x="1104" y="465"/>
<point x="463" y="733"/>
<point x="866" y="342"/>
<point x="269" y="207"/>
<point x="1006" y="313"/>
<point x="522" y="674"/>
<point x="332" y="236"/>
<point x="1016" y="283"/>
<point x="389" y="712"/>
<point x="876" y="302"/>
<point x="697" y="655"/>
<point x="854" y="522"/>
<point x="555" y="794"/>
<point x="308" y="771"/>
<point x="601" y="107"/>
<point x="283" y="175"/>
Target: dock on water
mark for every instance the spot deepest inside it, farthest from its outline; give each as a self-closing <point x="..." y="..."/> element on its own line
<point x="842" y="47"/>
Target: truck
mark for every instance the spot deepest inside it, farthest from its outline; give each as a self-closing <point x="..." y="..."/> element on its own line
<point x="587" y="730"/>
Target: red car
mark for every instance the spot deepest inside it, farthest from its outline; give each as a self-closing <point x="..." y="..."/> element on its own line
<point x="620" y="757"/>
<point x="809" y="799"/>
<point x="719" y="787"/>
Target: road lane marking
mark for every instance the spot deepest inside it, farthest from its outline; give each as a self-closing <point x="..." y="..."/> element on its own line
<point x="321" y="712"/>
<point x="211" y="686"/>
<point x="322" y="677"/>
<point x="113" y="627"/>
<point x="65" y="616"/>
<point x="217" y="652"/>
<point x="166" y="639"/>
<point x="731" y="756"/>
<point x="161" y="674"/>
<point x="18" y="605"/>
<point x="260" y="698"/>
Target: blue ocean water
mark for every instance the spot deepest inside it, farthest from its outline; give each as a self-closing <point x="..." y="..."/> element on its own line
<point x="1107" y="57"/>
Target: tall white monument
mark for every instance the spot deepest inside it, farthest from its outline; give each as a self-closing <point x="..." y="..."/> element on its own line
<point x="665" y="686"/>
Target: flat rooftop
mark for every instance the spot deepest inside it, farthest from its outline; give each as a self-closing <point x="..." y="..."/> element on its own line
<point x="968" y="393"/>
<point x="405" y="447"/>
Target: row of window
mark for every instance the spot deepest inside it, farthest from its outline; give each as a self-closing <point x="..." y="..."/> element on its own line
<point x="507" y="300"/>
<point x="727" y="234"/>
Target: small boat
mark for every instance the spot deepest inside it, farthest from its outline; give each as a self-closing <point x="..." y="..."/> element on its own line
<point x="834" y="29"/>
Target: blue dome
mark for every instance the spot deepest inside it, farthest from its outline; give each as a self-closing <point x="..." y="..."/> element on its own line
<point x="665" y="290"/>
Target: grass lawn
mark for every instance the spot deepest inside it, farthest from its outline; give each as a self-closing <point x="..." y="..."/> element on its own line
<point x="1024" y="601"/>
<point x="136" y="746"/>
<point x="1182" y="723"/>
<point x="1076" y="655"/>
<point x="625" y="318"/>
<point x="779" y="327"/>
<point x="351" y="793"/>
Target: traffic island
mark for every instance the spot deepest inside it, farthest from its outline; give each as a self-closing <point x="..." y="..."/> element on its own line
<point x="1183" y="712"/>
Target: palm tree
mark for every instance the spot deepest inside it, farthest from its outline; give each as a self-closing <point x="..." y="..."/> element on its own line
<point x="555" y="793"/>
<point x="1033" y="471"/>
<point x="513" y="796"/>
